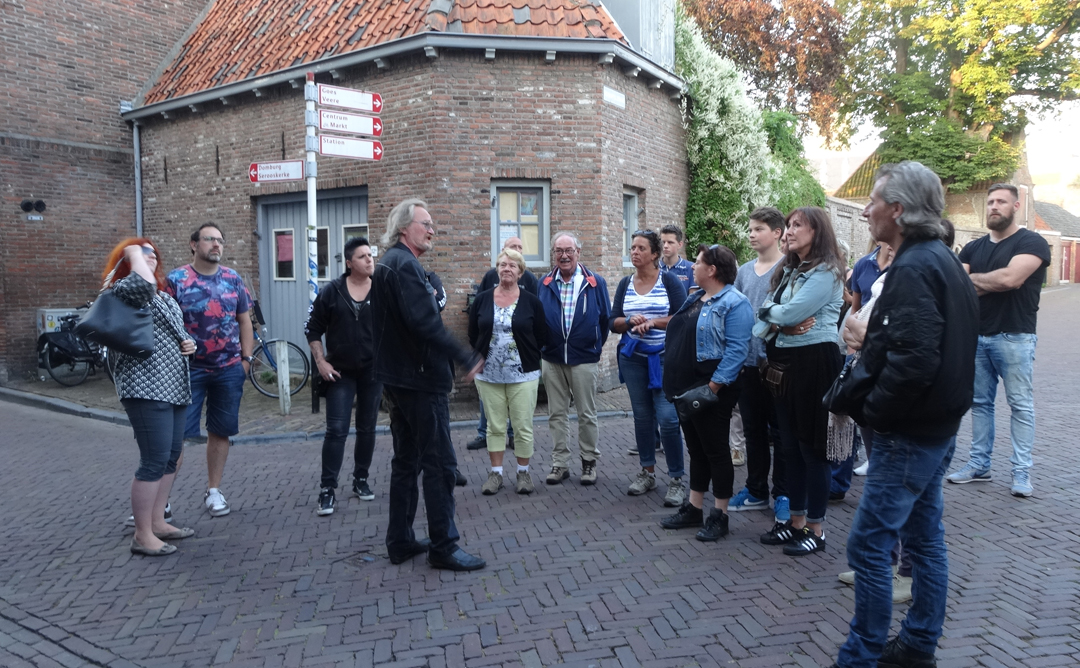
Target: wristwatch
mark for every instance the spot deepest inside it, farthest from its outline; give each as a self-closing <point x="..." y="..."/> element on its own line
<point x="249" y="359"/>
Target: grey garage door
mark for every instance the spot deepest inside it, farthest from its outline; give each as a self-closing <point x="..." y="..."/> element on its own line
<point x="283" y="253"/>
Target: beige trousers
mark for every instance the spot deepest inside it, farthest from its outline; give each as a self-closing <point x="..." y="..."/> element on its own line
<point x="516" y="401"/>
<point x="563" y="381"/>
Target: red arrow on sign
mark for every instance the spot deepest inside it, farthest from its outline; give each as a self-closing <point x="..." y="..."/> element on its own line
<point x="376" y="102"/>
<point x="377" y="150"/>
<point x="253" y="172"/>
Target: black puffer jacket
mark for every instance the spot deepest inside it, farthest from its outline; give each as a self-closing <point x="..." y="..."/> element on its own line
<point x="918" y="357"/>
<point x="413" y="350"/>
<point x="347" y="329"/>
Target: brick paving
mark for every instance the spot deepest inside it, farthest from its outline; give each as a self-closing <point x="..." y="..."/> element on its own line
<point x="581" y="576"/>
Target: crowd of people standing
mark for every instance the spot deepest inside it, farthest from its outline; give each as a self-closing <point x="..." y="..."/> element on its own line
<point x="698" y="341"/>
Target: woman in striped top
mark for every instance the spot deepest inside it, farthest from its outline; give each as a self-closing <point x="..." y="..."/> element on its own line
<point x="644" y="302"/>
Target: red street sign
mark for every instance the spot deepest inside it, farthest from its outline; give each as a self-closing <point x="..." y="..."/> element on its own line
<point x="350" y="98"/>
<point x="339" y="121"/>
<point x="346" y="147"/>
<point x="266" y="172"/>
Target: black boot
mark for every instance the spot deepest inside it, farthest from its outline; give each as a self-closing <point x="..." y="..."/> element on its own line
<point x="898" y="655"/>
<point x="716" y="526"/>
<point x="687" y="517"/>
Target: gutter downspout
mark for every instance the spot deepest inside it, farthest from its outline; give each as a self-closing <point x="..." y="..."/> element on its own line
<point x="138" y="180"/>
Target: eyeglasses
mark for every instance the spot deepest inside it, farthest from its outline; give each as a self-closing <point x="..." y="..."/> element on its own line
<point x="214" y="240"/>
<point x="559" y="252"/>
<point x="148" y="252"/>
<point x="644" y="233"/>
<point x="429" y="225"/>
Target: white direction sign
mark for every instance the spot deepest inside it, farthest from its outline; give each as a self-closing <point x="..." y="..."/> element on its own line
<point x="266" y="172"/>
<point x="350" y="98"/>
<point x="354" y="123"/>
<point x="345" y="147"/>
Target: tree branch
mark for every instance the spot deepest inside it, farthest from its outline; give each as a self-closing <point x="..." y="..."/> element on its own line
<point x="1048" y="93"/>
<point x="1059" y="31"/>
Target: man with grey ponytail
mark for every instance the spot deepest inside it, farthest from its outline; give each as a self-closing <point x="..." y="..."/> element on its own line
<point x="911" y="386"/>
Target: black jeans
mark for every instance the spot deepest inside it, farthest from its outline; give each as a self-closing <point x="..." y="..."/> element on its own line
<point x="760" y="429"/>
<point x="339" y="403"/>
<point x="420" y="425"/>
<point x="707" y="435"/>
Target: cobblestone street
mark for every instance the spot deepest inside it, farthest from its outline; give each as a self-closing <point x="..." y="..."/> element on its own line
<point x="580" y="576"/>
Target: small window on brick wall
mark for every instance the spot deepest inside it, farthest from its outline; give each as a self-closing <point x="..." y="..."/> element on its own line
<point x="630" y="220"/>
<point x="521" y="209"/>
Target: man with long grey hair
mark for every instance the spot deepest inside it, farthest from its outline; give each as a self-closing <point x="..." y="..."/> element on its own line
<point x="911" y="386"/>
<point x="413" y="356"/>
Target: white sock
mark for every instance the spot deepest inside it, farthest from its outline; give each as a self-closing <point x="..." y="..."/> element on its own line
<point x="497" y="469"/>
<point x="523" y="468"/>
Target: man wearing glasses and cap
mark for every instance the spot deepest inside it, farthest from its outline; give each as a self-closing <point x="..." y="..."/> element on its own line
<point x="577" y="308"/>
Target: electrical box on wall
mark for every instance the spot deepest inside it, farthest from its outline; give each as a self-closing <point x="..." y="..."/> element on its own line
<point x="48" y="319"/>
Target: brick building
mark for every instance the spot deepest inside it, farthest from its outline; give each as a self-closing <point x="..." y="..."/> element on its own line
<point x="64" y="68"/>
<point x="507" y="120"/>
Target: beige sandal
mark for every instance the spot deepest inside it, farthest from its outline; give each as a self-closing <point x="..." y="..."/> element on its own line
<point x="176" y="535"/>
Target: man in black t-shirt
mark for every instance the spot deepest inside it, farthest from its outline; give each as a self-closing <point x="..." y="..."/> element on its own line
<point x="1008" y="268"/>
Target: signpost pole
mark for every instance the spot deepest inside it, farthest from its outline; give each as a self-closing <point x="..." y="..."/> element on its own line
<point x="311" y="146"/>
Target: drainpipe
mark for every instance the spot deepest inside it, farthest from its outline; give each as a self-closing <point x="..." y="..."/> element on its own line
<point x="138" y="181"/>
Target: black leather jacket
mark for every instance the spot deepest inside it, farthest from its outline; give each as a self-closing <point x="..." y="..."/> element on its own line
<point x="413" y="350"/>
<point x="918" y="357"/>
<point x="347" y="328"/>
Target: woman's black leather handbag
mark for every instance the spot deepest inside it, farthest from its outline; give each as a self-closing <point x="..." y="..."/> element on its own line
<point x="694" y="402"/>
<point x="114" y="323"/>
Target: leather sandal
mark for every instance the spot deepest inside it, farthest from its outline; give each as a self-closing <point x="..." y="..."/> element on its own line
<point x="147" y="552"/>
<point x="177" y="534"/>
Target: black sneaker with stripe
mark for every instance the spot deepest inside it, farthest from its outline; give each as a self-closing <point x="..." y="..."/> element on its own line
<point x="780" y="534"/>
<point x="805" y="542"/>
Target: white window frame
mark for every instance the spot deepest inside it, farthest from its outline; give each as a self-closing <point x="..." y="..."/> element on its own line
<point x="630" y="225"/>
<point x="543" y="261"/>
<point x="274" y="252"/>
<point x="329" y="259"/>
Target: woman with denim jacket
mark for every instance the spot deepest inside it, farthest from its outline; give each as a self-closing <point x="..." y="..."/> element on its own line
<point x="798" y="321"/>
<point x="707" y="342"/>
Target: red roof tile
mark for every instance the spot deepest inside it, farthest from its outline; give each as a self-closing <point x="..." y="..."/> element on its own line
<point x="241" y="39"/>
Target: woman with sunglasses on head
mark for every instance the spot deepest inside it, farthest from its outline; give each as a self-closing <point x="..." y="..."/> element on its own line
<point x="155" y="392"/>
<point x="708" y="340"/>
<point x="798" y="321"/>
<point x="644" y="302"/>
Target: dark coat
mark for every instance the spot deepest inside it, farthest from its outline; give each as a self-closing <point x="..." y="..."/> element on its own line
<point x="347" y="329"/>
<point x="589" y="331"/>
<point x="527" y="281"/>
<point x="528" y="325"/>
<point x="413" y="350"/>
<point x="918" y="357"/>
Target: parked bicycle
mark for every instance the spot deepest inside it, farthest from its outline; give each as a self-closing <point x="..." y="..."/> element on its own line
<point x="264" y="368"/>
<point x="68" y="357"/>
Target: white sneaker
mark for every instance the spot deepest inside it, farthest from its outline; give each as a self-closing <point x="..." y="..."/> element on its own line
<point x="861" y="470"/>
<point x="216" y="503"/>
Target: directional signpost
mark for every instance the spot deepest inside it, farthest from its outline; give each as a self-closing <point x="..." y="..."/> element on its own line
<point x="269" y="172"/>
<point x="344" y="147"/>
<point x="350" y="98"/>
<point x="337" y="121"/>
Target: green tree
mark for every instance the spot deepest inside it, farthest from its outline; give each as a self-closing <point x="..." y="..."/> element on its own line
<point x="731" y="169"/>
<point x="794" y="185"/>
<point x="950" y="81"/>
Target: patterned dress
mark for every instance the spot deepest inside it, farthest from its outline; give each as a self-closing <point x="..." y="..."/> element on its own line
<point x="504" y="360"/>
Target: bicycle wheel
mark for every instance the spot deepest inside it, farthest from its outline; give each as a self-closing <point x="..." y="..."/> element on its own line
<point x="109" y="360"/>
<point x="263" y="372"/>
<point x="63" y="368"/>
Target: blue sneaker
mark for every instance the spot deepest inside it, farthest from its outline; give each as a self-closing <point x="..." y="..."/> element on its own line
<point x="969" y="473"/>
<point x="782" y="508"/>
<point x="1022" y="483"/>
<point x="746" y="501"/>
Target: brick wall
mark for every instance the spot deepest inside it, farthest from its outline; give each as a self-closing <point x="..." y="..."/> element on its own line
<point x="452" y="124"/>
<point x="64" y="68"/>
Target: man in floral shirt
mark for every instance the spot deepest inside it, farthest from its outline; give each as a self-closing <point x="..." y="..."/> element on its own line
<point x="216" y="307"/>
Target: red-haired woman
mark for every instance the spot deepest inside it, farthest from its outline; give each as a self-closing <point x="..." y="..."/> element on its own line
<point x="155" y="392"/>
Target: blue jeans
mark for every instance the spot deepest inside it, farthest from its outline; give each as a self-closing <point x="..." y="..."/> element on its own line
<point x="159" y="432"/>
<point x="902" y="498"/>
<point x="842" y="471"/>
<point x="650" y="408"/>
<point x="420" y="426"/>
<point x="339" y="403"/>
<point x="1010" y="357"/>
<point x="222" y="390"/>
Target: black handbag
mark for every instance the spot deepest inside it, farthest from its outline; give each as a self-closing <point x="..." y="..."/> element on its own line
<point x="694" y="402"/>
<point x="114" y="323"/>
<point x="847" y="393"/>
